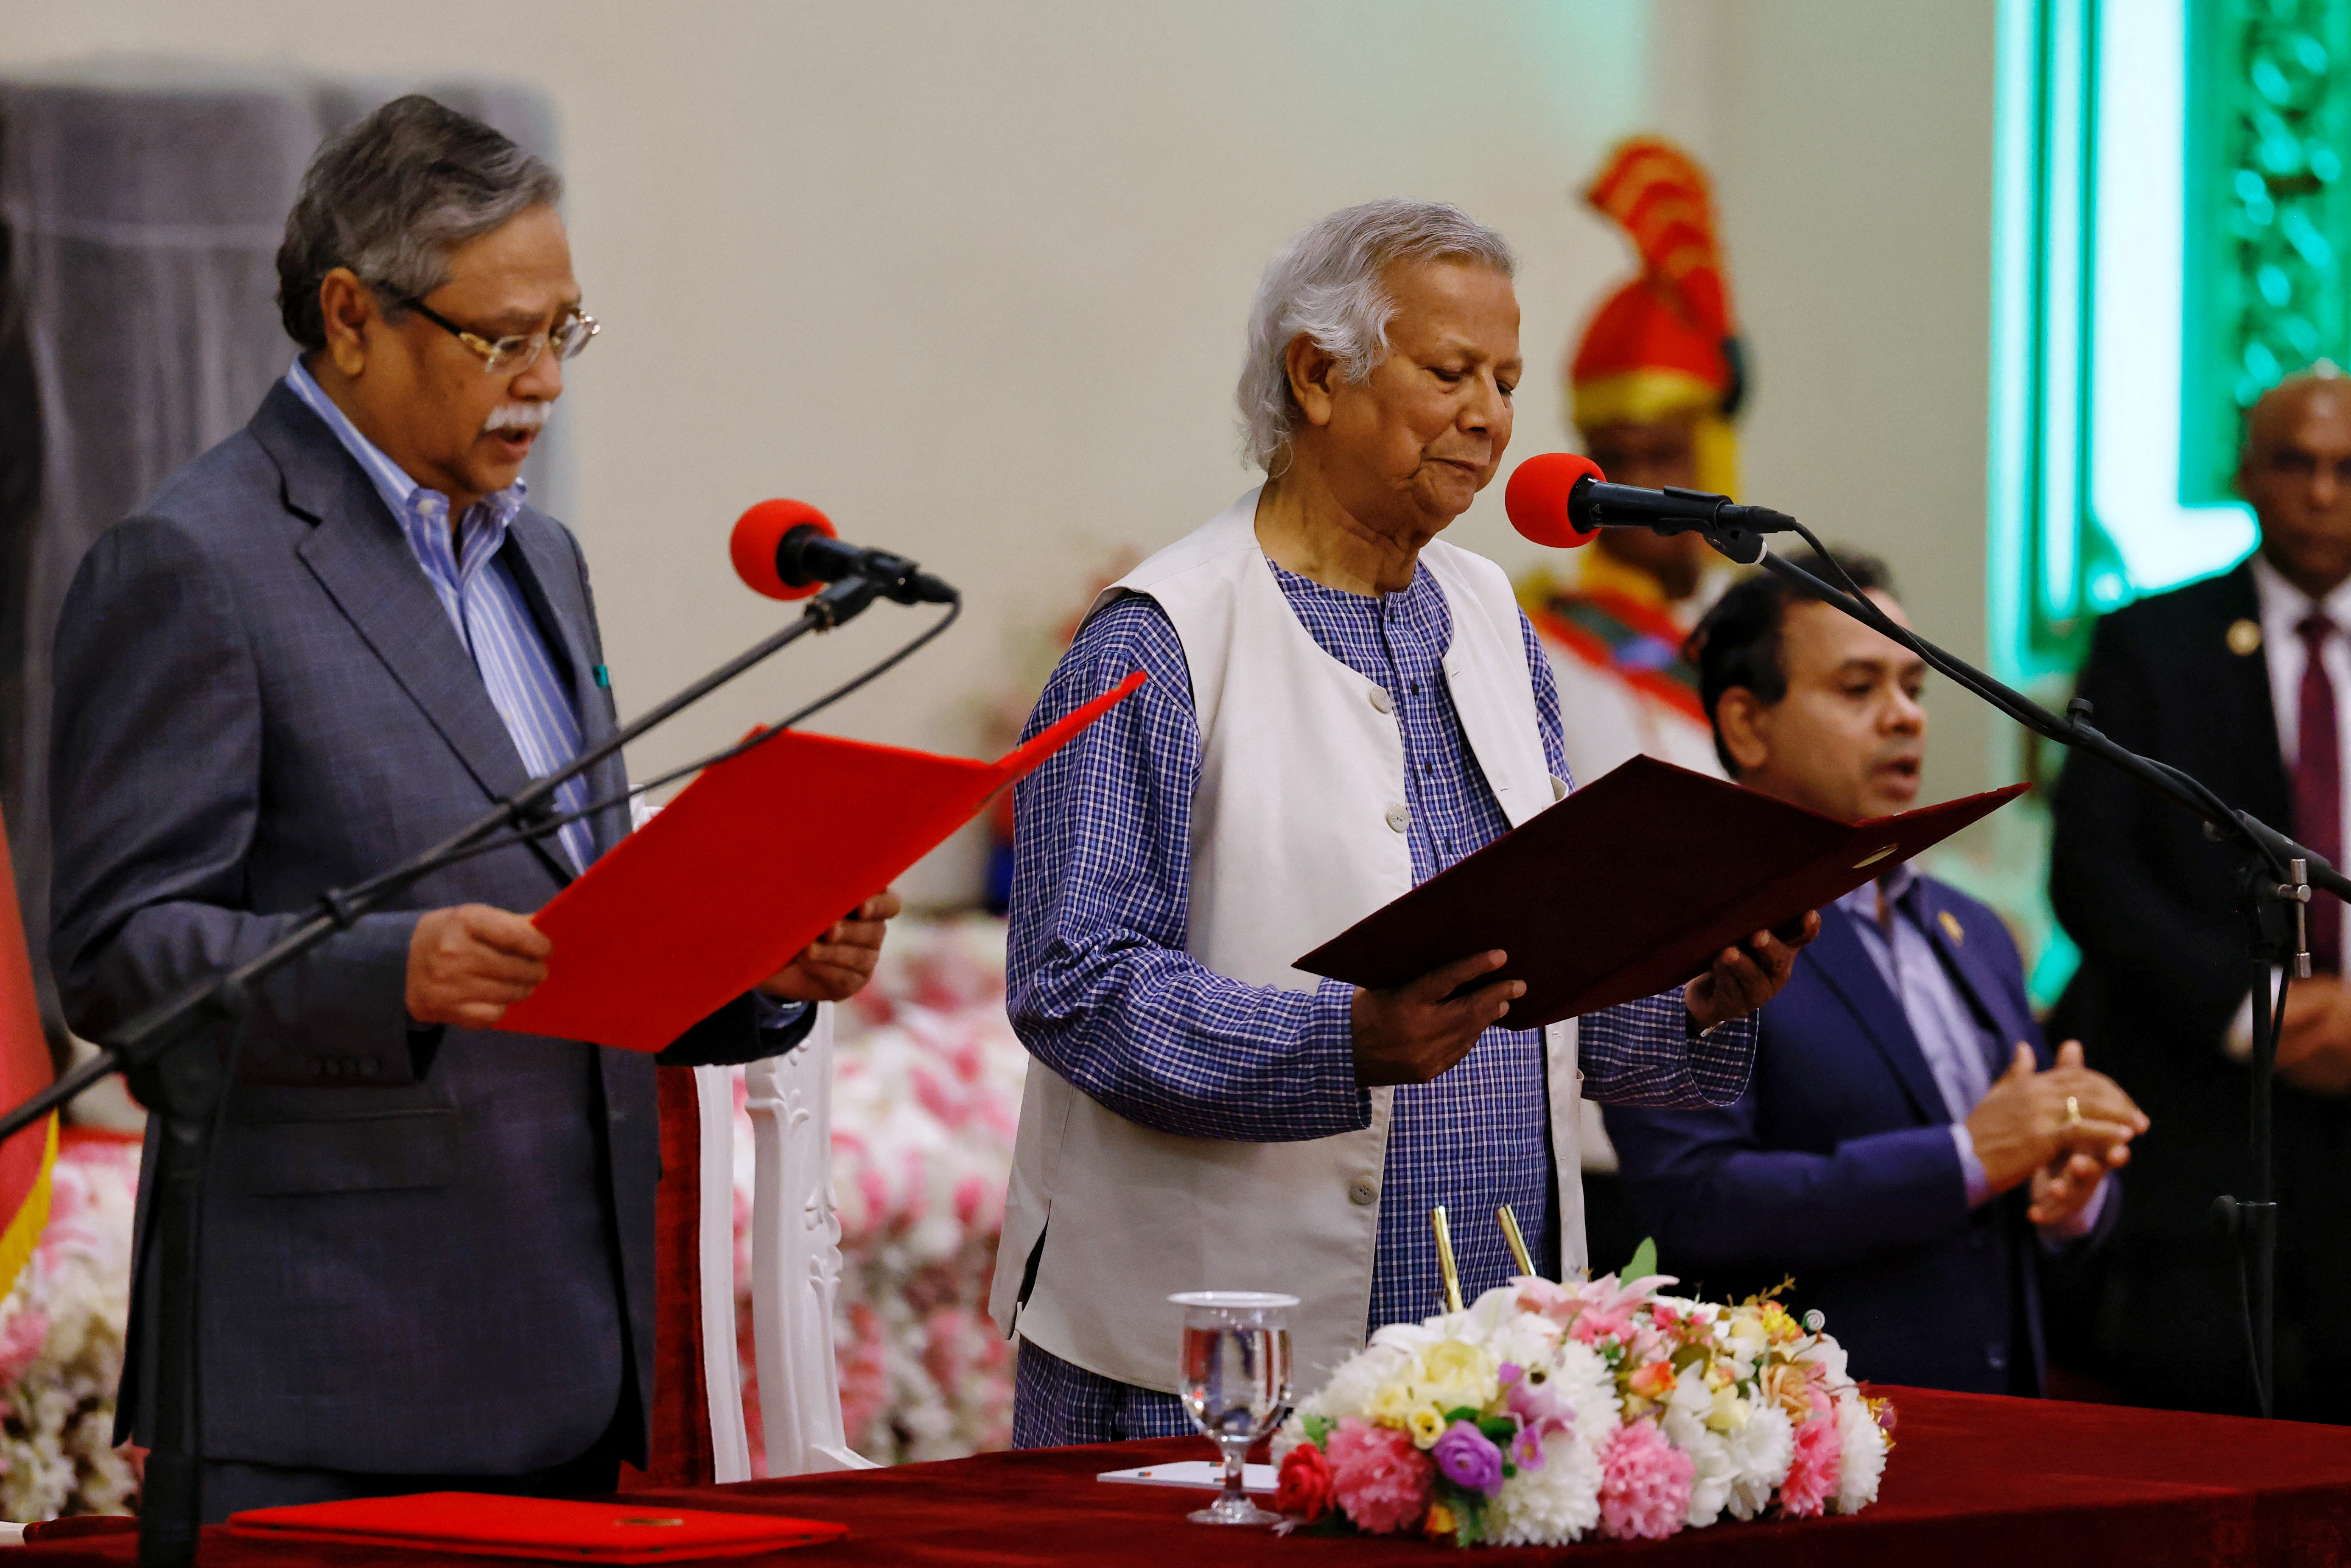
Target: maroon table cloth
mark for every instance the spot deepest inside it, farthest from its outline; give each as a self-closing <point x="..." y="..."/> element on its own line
<point x="1974" y="1479"/>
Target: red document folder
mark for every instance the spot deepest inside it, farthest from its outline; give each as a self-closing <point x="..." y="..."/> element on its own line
<point x="476" y="1524"/>
<point x="751" y="862"/>
<point x="1630" y="887"/>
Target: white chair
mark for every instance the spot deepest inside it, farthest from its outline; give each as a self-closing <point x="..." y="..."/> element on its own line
<point x="795" y="1262"/>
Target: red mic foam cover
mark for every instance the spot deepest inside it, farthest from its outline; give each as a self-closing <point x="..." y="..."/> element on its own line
<point x="758" y="531"/>
<point x="1537" y="496"/>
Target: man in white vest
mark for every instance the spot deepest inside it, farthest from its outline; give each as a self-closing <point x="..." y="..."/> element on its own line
<point x="1339" y="707"/>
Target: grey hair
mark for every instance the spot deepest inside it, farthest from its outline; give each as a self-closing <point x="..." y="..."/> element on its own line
<point x="390" y="198"/>
<point x="1327" y="284"/>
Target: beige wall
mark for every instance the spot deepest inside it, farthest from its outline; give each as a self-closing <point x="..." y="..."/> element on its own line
<point x="971" y="276"/>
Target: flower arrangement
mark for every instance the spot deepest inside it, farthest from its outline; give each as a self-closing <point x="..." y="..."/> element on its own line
<point x="1546" y="1412"/>
<point x="61" y="1331"/>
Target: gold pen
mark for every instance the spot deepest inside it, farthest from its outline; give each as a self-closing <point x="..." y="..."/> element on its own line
<point x="1445" y="1257"/>
<point x="1517" y="1238"/>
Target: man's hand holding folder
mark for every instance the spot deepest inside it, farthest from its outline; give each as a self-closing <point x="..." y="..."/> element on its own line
<point x="468" y="963"/>
<point x="1652" y="877"/>
<point x="1411" y="1033"/>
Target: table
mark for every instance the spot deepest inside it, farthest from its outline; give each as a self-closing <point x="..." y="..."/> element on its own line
<point x="1975" y="1479"/>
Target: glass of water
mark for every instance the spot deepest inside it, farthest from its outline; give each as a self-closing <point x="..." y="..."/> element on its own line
<point x="1236" y="1362"/>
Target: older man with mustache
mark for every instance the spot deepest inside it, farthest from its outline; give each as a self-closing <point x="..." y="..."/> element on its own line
<point x="1908" y="1150"/>
<point x="1341" y="706"/>
<point x="324" y="645"/>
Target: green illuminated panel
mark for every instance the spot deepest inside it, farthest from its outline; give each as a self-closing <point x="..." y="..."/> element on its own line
<point x="2268" y="122"/>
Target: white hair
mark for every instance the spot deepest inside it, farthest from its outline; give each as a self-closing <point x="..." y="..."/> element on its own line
<point x="1327" y="284"/>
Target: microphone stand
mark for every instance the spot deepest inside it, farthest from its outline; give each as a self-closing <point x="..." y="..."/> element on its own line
<point x="2276" y="887"/>
<point x="187" y="1090"/>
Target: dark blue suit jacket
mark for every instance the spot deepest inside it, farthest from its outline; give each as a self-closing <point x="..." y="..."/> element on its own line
<point x="424" y="1251"/>
<point x="1837" y="1165"/>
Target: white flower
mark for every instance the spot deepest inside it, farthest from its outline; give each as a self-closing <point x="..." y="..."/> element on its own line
<point x="1524" y="1340"/>
<point x="1830" y="1356"/>
<point x="1553" y="1504"/>
<point x="1761" y="1451"/>
<point x="1351" y="1385"/>
<point x="1592" y="1387"/>
<point x="1685" y="1427"/>
<point x="1863" y="1445"/>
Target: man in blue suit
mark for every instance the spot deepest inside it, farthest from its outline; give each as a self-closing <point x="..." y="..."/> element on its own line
<point x="1908" y="1149"/>
<point x="325" y="644"/>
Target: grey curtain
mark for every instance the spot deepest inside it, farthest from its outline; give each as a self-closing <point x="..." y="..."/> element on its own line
<point x="138" y="226"/>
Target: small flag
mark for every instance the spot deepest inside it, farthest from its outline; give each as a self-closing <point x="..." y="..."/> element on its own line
<point x="25" y="1159"/>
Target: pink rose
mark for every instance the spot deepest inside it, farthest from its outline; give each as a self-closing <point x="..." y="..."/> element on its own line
<point x="1819" y="1462"/>
<point x="1377" y="1477"/>
<point x="1304" y="1484"/>
<point x="1644" y="1484"/>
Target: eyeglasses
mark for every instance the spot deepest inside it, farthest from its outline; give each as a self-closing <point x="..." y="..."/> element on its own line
<point x="512" y="356"/>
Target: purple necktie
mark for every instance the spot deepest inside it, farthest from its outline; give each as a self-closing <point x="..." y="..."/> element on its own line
<point x="2318" y="788"/>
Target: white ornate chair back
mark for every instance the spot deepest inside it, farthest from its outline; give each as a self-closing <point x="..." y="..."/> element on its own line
<point x="795" y="1262"/>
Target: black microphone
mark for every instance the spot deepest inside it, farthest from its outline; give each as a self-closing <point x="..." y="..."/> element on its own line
<point x="1560" y="500"/>
<point x="787" y="549"/>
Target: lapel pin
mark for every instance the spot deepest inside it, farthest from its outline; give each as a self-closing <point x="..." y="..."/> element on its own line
<point x="2244" y="638"/>
<point x="1951" y="926"/>
<point x="603" y="676"/>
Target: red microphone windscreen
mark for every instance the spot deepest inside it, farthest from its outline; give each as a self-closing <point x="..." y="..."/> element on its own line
<point x="758" y="531"/>
<point x="1536" y="497"/>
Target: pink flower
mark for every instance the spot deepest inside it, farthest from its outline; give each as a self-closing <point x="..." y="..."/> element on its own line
<point x="21" y="1338"/>
<point x="1819" y="1461"/>
<point x="1378" y="1476"/>
<point x="1644" y="1484"/>
<point x="1540" y="1403"/>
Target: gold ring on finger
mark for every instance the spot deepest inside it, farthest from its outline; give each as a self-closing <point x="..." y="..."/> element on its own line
<point x="2073" y="1111"/>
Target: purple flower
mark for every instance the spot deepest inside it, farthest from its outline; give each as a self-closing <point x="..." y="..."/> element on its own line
<point x="1468" y="1457"/>
<point x="1526" y="1448"/>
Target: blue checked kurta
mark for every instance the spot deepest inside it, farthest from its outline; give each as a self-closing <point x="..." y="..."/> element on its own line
<point x="1100" y="989"/>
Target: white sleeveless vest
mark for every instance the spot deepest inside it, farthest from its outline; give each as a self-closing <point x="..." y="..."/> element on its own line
<point x="1298" y="832"/>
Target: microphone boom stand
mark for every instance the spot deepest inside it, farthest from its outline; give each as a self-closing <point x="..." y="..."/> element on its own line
<point x="189" y="1091"/>
<point x="2279" y="879"/>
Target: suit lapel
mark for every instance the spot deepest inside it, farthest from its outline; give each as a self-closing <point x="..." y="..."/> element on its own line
<point x="363" y="561"/>
<point x="2245" y="690"/>
<point x="1847" y="967"/>
<point x="1968" y="961"/>
<point x="546" y="570"/>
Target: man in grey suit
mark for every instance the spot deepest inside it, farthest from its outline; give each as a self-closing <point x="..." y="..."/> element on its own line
<point x="328" y="643"/>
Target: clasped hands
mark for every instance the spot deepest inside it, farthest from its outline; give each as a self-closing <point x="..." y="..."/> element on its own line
<point x="2063" y="1130"/>
<point x="1413" y="1032"/>
<point x="467" y="965"/>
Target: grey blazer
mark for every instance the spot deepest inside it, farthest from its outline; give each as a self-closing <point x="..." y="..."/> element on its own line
<point x="424" y="1251"/>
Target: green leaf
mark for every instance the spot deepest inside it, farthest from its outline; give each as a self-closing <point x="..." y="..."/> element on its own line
<point x="1461" y="1413"/>
<point x="1317" y="1428"/>
<point x="1644" y="1264"/>
<point x="1498" y="1430"/>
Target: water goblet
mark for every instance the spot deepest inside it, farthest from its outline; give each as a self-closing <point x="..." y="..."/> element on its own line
<point x="1236" y="1386"/>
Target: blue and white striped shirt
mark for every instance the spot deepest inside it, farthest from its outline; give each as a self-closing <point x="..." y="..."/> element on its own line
<point x="485" y="604"/>
<point x="1100" y="989"/>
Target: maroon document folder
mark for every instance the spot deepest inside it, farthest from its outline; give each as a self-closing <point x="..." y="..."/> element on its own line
<point x="1632" y="885"/>
<point x="751" y="862"/>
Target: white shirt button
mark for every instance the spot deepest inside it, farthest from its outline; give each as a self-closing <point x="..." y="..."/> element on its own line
<point x="1380" y="700"/>
<point x="1399" y="818"/>
<point x="1363" y="1195"/>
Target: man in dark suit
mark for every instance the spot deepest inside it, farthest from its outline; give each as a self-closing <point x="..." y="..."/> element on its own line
<point x="2219" y="678"/>
<point x="325" y="644"/>
<point x="1908" y="1149"/>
